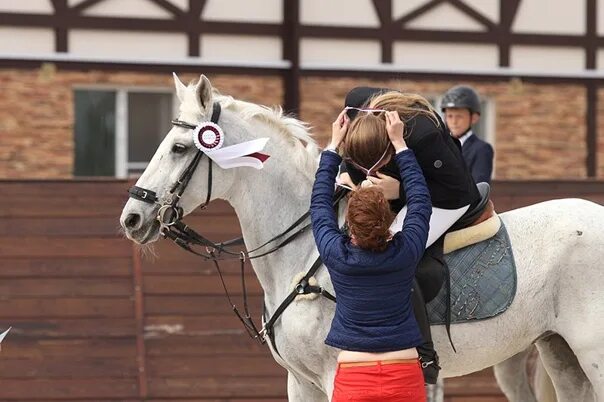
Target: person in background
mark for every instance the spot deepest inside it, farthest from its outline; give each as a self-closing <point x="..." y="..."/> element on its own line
<point x="372" y="272"/>
<point x="461" y="108"/>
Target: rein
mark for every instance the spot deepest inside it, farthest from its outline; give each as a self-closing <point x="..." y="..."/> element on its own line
<point x="170" y="216"/>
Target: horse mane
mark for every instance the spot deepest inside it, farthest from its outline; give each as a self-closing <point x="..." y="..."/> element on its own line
<point x="303" y="147"/>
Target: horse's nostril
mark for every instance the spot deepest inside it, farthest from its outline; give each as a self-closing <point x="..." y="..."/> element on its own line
<point x="132" y="221"/>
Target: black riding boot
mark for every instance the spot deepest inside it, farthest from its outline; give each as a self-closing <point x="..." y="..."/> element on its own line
<point x="427" y="354"/>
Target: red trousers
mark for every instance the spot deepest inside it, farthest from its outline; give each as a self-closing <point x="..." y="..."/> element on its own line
<point x="400" y="382"/>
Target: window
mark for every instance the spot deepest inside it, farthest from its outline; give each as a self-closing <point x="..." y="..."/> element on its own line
<point x="94" y="133"/>
<point x="118" y="131"/>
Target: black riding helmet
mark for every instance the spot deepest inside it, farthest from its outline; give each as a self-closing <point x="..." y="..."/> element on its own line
<point x="463" y="97"/>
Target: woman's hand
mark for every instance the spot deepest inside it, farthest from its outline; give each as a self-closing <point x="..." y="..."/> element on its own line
<point x="389" y="185"/>
<point x="395" y="128"/>
<point x="339" y="129"/>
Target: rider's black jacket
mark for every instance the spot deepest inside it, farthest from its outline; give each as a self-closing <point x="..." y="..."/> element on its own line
<point x="439" y="155"/>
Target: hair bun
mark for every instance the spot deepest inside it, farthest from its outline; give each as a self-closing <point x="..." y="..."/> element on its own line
<point x="369" y="218"/>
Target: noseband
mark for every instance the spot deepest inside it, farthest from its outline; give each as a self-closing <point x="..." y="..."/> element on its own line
<point x="170" y="216"/>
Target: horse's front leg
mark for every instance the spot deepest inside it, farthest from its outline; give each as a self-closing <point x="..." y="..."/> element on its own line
<point x="300" y="390"/>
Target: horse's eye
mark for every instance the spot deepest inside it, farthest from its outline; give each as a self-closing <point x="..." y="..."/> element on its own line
<point x="179" y="148"/>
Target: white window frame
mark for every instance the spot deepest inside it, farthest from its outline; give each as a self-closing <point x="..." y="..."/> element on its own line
<point x="122" y="165"/>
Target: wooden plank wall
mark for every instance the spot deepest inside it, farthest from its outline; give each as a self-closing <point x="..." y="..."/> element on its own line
<point x="66" y="288"/>
<point x="92" y="320"/>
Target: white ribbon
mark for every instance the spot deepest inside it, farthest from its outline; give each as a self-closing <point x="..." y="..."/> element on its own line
<point x="209" y="138"/>
<point x="2" y="335"/>
<point x="240" y="155"/>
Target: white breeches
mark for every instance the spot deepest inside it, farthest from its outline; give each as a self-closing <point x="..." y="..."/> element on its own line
<point x="440" y="221"/>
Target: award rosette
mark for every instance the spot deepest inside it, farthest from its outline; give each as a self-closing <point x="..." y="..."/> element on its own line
<point x="208" y="137"/>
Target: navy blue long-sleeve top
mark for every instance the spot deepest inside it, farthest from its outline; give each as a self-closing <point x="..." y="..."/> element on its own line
<point x="373" y="310"/>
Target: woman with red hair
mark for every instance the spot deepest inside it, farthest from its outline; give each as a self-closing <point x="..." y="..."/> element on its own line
<point x="372" y="271"/>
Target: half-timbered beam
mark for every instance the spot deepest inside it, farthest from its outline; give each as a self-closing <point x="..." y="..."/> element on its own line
<point x="383" y="9"/>
<point x="291" y="52"/>
<point x="426" y="35"/>
<point x="591" y="43"/>
<point x="417" y="12"/>
<point x="137" y="24"/>
<point x="591" y="123"/>
<point x="61" y="10"/>
<point x="469" y="11"/>
<point x="171" y="8"/>
<point x="80" y="7"/>
<point x="507" y="13"/>
<point x="193" y="20"/>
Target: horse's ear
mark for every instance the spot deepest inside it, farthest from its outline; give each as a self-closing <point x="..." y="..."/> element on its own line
<point x="203" y="94"/>
<point x="180" y="88"/>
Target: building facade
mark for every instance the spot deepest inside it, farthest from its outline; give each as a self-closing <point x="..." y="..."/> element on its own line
<point x="86" y="86"/>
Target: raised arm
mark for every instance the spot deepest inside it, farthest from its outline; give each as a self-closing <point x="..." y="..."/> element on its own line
<point x="323" y="217"/>
<point x="419" y="206"/>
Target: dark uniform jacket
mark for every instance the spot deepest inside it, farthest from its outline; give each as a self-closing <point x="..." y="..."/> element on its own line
<point x="478" y="155"/>
<point x="439" y="155"/>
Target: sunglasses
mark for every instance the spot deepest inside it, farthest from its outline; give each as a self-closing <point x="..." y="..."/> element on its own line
<point x="375" y="112"/>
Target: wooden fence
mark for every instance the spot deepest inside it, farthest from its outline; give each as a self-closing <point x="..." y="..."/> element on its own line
<point x="93" y="320"/>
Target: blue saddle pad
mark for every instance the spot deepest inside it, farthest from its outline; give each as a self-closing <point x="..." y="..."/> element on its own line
<point x="483" y="281"/>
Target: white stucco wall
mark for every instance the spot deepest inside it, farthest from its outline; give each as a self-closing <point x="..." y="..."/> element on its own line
<point x="127" y="45"/>
<point x="441" y="56"/>
<point x="534" y="16"/>
<point x="26" y="41"/>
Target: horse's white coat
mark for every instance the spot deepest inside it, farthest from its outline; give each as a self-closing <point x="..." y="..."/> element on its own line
<point x="558" y="247"/>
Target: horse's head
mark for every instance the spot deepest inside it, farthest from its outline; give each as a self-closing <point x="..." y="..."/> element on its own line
<point x="174" y="155"/>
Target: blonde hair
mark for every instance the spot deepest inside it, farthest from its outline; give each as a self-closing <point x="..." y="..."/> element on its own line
<point x="367" y="137"/>
<point x="408" y="106"/>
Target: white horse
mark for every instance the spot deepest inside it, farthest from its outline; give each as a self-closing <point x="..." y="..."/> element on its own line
<point x="558" y="246"/>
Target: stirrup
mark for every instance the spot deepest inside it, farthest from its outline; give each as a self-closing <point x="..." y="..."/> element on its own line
<point x="428" y="363"/>
<point x="430" y="369"/>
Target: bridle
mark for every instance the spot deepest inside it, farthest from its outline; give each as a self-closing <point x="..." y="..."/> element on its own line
<point x="169" y="212"/>
<point x="170" y="216"/>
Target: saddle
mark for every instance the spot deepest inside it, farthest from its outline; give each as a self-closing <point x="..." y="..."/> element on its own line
<point x="480" y="280"/>
<point x="477" y="224"/>
<point x="481" y="212"/>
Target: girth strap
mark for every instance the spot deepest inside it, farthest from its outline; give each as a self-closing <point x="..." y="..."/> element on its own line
<point x="302" y="288"/>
